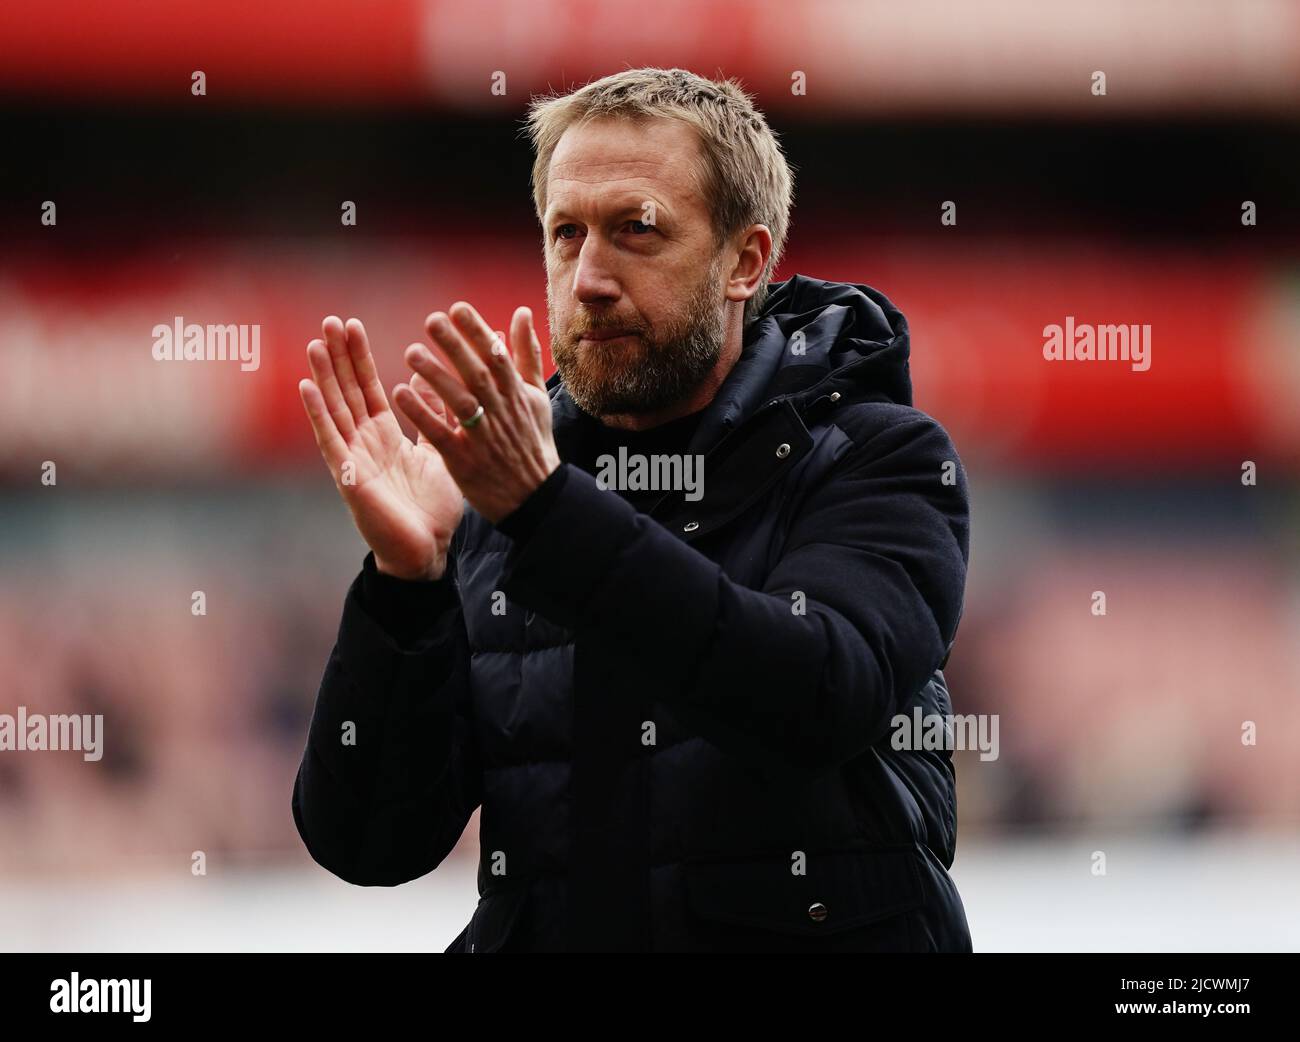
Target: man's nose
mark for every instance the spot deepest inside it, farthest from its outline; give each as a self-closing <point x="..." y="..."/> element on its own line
<point x="595" y="281"/>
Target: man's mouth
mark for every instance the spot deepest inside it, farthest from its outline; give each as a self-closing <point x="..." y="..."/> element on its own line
<point x="602" y="335"/>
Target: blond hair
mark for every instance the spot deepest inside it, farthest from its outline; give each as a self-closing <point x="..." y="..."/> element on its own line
<point x="746" y="178"/>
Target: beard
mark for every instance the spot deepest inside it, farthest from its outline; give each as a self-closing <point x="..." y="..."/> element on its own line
<point x="656" y="369"/>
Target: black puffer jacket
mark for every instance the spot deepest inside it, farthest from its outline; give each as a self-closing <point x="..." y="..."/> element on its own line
<point x="678" y="723"/>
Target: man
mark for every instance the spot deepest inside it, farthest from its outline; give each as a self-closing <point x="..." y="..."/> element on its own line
<point x="674" y="709"/>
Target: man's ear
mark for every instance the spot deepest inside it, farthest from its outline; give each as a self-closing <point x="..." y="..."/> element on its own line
<point x="753" y="250"/>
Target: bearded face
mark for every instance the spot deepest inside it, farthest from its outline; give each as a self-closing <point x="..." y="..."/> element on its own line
<point x="618" y="363"/>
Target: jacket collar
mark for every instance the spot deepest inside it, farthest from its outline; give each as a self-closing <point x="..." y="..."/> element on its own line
<point x="814" y="345"/>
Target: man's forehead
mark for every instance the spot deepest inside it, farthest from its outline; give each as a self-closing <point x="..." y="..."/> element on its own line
<point x="595" y="169"/>
<point x="653" y="155"/>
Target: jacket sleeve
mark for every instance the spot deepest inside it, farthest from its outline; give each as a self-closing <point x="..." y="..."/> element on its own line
<point x="807" y="671"/>
<point x="391" y="773"/>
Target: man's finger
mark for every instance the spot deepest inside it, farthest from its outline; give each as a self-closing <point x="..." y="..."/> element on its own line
<point x="337" y="342"/>
<point x="527" y="348"/>
<point x="322" y="370"/>
<point x="363" y="364"/>
<point x="458" y="399"/>
<point x="425" y="390"/>
<point x="332" y="447"/>
<point x="468" y="341"/>
<point x="427" y="422"/>
<point x="503" y="364"/>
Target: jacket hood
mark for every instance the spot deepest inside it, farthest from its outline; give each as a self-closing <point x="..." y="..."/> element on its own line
<point x="811" y="338"/>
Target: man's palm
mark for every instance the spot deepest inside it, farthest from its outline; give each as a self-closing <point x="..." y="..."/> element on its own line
<point x="404" y="502"/>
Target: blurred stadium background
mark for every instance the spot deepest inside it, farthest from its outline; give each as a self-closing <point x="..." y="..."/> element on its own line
<point x="1119" y="734"/>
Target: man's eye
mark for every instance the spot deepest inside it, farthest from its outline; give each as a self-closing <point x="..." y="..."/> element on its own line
<point x="640" y="227"/>
<point x="563" y="231"/>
